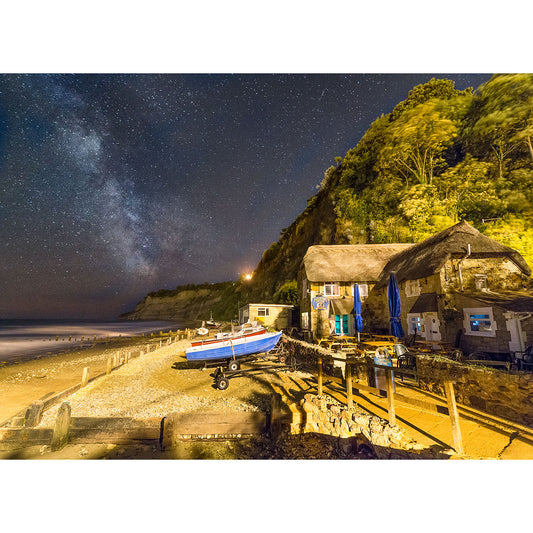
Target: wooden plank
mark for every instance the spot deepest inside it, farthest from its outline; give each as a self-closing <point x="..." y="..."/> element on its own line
<point x="112" y="423"/>
<point x="109" y="366"/>
<point x="454" y="416"/>
<point x="275" y="413"/>
<point x="390" y="397"/>
<point x="319" y="391"/>
<point x="34" y="414"/>
<point x="85" y="376"/>
<point x="61" y="395"/>
<point x="15" y="438"/>
<point x="349" y="392"/>
<point x="177" y="424"/>
<point x="124" y="436"/>
<point x="61" y="428"/>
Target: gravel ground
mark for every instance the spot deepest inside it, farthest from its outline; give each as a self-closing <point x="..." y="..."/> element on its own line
<point x="161" y="382"/>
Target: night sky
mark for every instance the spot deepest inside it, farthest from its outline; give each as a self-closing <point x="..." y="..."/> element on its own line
<point x="112" y="186"/>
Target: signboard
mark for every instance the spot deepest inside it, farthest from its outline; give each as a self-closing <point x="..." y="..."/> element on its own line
<point x="320" y="302"/>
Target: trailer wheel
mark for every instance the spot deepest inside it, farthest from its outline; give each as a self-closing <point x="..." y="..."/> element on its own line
<point x="222" y="383"/>
<point x="233" y="365"/>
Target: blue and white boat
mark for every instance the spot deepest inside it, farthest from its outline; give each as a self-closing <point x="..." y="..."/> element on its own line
<point x="259" y="340"/>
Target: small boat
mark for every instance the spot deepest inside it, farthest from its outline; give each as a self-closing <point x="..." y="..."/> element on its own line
<point x="247" y="340"/>
<point x="211" y="323"/>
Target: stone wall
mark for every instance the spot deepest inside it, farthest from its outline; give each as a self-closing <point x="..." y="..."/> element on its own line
<point x="324" y="414"/>
<point x="508" y="395"/>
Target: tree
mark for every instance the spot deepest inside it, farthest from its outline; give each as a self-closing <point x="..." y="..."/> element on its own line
<point x="416" y="141"/>
<point x="506" y="115"/>
<point x="287" y="294"/>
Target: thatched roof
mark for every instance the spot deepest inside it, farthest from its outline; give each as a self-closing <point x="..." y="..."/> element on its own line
<point x="428" y="257"/>
<point x="510" y="301"/>
<point x="348" y="262"/>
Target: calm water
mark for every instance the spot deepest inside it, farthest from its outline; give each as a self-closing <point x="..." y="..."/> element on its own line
<point x="25" y="339"/>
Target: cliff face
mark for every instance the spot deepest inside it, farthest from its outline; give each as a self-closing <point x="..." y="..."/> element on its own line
<point x="280" y="263"/>
<point x="187" y="307"/>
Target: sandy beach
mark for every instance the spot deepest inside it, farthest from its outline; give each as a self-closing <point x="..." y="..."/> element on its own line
<point x="22" y="382"/>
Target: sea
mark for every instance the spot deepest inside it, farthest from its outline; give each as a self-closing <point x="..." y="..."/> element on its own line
<point x="29" y="339"/>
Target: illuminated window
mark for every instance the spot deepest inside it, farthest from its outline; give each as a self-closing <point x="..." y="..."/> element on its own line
<point x="332" y="289"/>
<point x="263" y="311"/>
<point x="414" y="323"/>
<point x="305" y="320"/>
<point x="479" y="321"/>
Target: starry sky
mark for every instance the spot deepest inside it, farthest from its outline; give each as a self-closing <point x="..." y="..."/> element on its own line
<point x="112" y="186"/>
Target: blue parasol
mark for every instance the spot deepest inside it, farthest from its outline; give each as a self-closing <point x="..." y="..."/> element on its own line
<point x="395" y="307"/>
<point x="358" y="324"/>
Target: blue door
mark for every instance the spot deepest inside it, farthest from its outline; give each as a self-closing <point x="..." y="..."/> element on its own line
<point x="341" y="324"/>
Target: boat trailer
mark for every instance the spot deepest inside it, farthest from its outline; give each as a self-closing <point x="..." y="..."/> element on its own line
<point x="279" y="358"/>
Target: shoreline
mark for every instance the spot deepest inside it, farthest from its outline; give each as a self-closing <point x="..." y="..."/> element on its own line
<point x="25" y="381"/>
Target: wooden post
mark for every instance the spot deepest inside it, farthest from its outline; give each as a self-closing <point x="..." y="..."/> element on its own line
<point x="454" y="416"/>
<point x="349" y="394"/>
<point x="34" y="413"/>
<point x="61" y="428"/>
<point x="275" y="415"/>
<point x="17" y="422"/>
<point x="85" y="376"/>
<point x="147" y="348"/>
<point x="109" y="365"/>
<point x="319" y="376"/>
<point x="390" y="396"/>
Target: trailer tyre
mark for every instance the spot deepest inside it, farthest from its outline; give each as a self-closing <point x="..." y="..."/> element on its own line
<point x="233" y="365"/>
<point x="222" y="383"/>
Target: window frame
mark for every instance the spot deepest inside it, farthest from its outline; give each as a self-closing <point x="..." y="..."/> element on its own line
<point x="412" y="288"/>
<point x="265" y="310"/>
<point x="469" y="312"/>
<point x="361" y="293"/>
<point x="332" y="284"/>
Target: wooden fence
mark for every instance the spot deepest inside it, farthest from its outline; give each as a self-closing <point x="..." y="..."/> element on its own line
<point x="451" y="409"/>
<point x="164" y="432"/>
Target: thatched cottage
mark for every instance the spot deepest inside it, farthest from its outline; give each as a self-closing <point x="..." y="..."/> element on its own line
<point x="326" y="280"/>
<point x="459" y="287"/>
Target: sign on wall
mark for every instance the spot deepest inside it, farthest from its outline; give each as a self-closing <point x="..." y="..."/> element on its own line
<point x="320" y="303"/>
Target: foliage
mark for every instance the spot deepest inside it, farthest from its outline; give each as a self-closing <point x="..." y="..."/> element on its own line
<point x="287" y="294"/>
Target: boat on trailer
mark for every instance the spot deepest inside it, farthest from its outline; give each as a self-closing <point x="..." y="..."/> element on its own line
<point x="247" y="340"/>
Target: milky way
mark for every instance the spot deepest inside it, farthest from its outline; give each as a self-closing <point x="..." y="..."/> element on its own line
<point x="116" y="185"/>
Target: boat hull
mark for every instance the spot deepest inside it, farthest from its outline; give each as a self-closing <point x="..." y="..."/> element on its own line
<point x="228" y="348"/>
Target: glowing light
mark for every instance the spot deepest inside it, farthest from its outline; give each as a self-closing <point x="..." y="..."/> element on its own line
<point x="247" y="277"/>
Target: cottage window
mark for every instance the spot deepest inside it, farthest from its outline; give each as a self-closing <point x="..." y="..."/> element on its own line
<point x="414" y="323"/>
<point x="305" y="320"/>
<point x="363" y="290"/>
<point x="263" y="311"/>
<point x="479" y="321"/>
<point x="412" y="287"/>
<point x="481" y="282"/>
<point x="332" y="289"/>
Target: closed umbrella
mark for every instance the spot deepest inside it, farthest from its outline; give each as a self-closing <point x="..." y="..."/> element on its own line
<point x="395" y="307"/>
<point x="358" y="324"/>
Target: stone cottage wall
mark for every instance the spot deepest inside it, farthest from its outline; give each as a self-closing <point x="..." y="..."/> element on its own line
<point x="500" y="393"/>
